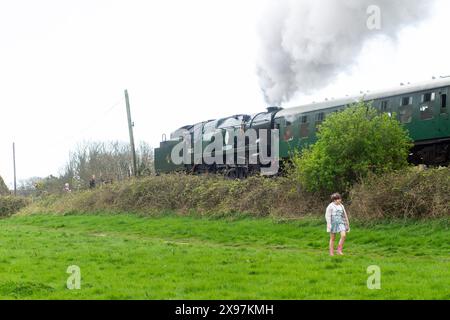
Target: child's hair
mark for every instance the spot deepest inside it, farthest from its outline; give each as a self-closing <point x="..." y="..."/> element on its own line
<point x="335" y="196"/>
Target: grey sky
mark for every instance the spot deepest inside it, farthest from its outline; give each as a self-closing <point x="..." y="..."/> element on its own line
<point x="64" y="64"/>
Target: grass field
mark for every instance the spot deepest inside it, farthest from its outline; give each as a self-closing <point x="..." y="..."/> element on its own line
<point x="173" y="257"/>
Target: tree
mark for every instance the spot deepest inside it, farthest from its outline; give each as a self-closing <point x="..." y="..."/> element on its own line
<point x="145" y="156"/>
<point x="108" y="161"/>
<point x="350" y="144"/>
<point x="3" y="188"/>
<point x="38" y="186"/>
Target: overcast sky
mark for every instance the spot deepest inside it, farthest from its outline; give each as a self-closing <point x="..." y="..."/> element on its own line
<point x="65" y="64"/>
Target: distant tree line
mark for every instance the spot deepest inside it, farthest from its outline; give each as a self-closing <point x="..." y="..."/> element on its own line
<point x="109" y="162"/>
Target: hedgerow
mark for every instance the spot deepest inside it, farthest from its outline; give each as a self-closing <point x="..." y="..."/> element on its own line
<point x="409" y="193"/>
<point x="10" y="205"/>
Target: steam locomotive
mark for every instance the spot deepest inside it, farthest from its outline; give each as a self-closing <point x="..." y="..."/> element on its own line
<point x="422" y="108"/>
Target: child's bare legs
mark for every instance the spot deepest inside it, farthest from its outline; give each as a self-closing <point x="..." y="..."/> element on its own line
<point x="332" y="238"/>
<point x="341" y="243"/>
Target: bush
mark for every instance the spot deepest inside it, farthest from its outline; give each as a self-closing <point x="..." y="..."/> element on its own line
<point x="3" y="188"/>
<point x="10" y="205"/>
<point x="409" y="193"/>
<point x="351" y="144"/>
<point x="205" y="195"/>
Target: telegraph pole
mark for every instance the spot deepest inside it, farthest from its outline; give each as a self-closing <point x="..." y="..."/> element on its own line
<point x="130" y="129"/>
<point x="14" y="164"/>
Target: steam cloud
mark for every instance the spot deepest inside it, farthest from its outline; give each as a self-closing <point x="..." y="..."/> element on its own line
<point x="306" y="44"/>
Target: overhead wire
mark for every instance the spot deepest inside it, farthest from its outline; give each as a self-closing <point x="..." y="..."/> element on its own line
<point x="91" y="124"/>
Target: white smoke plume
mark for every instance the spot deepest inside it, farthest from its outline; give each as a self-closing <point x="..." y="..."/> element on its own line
<point x="305" y="44"/>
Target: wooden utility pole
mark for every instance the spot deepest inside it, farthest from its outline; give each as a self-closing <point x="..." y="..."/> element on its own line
<point x="130" y="129"/>
<point x="14" y="164"/>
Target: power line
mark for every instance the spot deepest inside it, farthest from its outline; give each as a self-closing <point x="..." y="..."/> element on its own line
<point x="58" y="144"/>
<point x="90" y="125"/>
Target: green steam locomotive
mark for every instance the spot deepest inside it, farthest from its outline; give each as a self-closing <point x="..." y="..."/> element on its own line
<point x="422" y="108"/>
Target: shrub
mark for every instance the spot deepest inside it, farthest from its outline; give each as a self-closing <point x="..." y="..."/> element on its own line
<point x="409" y="193"/>
<point x="3" y="188"/>
<point x="351" y="144"/>
<point x="205" y="195"/>
<point x="10" y="205"/>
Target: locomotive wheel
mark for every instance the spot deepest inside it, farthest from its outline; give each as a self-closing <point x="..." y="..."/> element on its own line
<point x="231" y="173"/>
<point x="241" y="173"/>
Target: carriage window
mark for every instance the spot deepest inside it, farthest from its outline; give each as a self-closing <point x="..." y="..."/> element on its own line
<point x="405" y="114"/>
<point x="405" y="101"/>
<point x="426" y="112"/>
<point x="444" y="103"/>
<point x="304" y="119"/>
<point x="384" y="106"/>
<point x="304" y="127"/>
<point x="320" y="116"/>
<point x="319" y="119"/>
<point x="288" y="134"/>
<point x="428" y="97"/>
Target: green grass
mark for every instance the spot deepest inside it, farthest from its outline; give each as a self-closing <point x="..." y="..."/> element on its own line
<point x="173" y="257"/>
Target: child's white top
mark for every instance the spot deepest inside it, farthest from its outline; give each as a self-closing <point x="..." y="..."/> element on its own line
<point x="331" y="211"/>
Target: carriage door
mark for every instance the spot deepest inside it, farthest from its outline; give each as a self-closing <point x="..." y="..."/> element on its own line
<point x="444" y="110"/>
<point x="290" y="134"/>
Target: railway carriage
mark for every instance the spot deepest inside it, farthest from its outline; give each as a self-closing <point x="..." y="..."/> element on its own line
<point x="422" y="108"/>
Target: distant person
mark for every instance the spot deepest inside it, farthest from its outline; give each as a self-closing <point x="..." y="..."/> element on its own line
<point x="92" y="182"/>
<point x="337" y="222"/>
<point x="67" y="188"/>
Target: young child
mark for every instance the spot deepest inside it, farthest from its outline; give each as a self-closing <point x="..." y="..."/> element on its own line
<point x="337" y="222"/>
